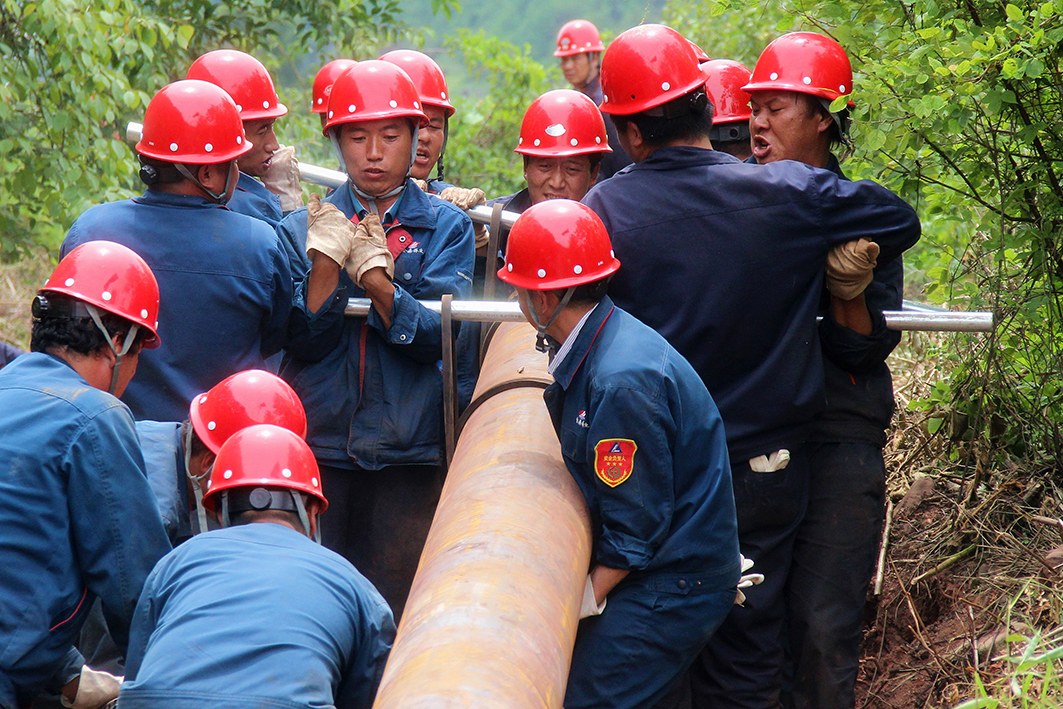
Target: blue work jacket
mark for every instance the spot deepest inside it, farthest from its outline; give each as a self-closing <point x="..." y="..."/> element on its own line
<point x="643" y="440"/>
<point x="859" y="387"/>
<point x="375" y="397"/>
<point x="253" y="616"/>
<point x="78" y="519"/>
<point x="726" y="261"/>
<point x="164" y="460"/>
<point x="253" y="199"/>
<point x="225" y="293"/>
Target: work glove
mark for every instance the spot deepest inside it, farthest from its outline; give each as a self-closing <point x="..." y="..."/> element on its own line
<point x="774" y="462"/>
<point x="328" y="231"/>
<point x="282" y="178"/>
<point x="746" y="580"/>
<point x="849" y="268"/>
<point x="423" y="184"/>
<point x="95" y="688"/>
<point x="467" y="199"/>
<point x="369" y="249"/>
<point x="589" y="606"/>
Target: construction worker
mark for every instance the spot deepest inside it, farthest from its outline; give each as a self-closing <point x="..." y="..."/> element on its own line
<point x="77" y="513"/>
<point x="225" y="282"/>
<point x="249" y="84"/>
<point x="371" y="385"/>
<point x="8" y="352"/>
<point x="579" y="48"/>
<point x="724" y="79"/>
<point x="324" y="79"/>
<point x="563" y="142"/>
<point x="755" y="239"/>
<point x="255" y="613"/>
<point x="645" y="444"/>
<point x="181" y="455"/>
<point x="837" y="542"/>
<point x="432" y="88"/>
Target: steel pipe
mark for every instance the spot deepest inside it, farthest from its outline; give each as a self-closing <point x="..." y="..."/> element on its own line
<point x="492" y="615"/>
<point x="508" y="311"/>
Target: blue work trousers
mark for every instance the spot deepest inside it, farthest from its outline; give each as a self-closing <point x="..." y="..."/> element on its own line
<point x="651" y="630"/>
<point x="742" y="666"/>
<point x="834" y="557"/>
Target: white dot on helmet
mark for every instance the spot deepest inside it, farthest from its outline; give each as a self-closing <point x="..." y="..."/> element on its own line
<point x="227" y="474"/>
<point x="211" y="425"/>
<point x="69" y="282"/>
<point x="577" y="269"/>
<point x="144" y="313"/>
<point x="807" y="80"/>
<point x="286" y="472"/>
<point x="106" y="295"/>
<point x="393" y="103"/>
<point x="541" y="272"/>
<point x="208" y="147"/>
<point x="665" y="86"/>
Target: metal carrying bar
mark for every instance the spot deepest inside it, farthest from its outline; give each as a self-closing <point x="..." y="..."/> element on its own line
<point x="509" y="311"/>
<point x="334" y="178"/>
<point x="914" y="316"/>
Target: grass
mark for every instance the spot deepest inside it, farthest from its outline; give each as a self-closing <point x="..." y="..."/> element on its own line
<point x="18" y="283"/>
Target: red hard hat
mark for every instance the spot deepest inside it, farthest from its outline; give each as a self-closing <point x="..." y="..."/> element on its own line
<point x="645" y="67"/>
<point x="244" y="78"/>
<point x="113" y="278"/>
<point x="557" y="244"/>
<point x="192" y="122"/>
<point x="561" y="123"/>
<point x="244" y="399"/>
<point x="699" y="52"/>
<point x="323" y="81"/>
<point x="578" y="37"/>
<point x="264" y="455"/>
<point x="426" y="76"/>
<point x="372" y="90"/>
<point x="804" y="62"/>
<point x="724" y="81"/>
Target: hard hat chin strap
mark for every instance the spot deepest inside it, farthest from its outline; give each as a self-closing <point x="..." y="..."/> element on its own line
<point x="540" y="327"/>
<point x="197" y="489"/>
<point x="130" y="337"/>
<point x="218" y="197"/>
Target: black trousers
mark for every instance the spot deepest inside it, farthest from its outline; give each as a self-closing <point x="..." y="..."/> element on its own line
<point x="379" y="520"/>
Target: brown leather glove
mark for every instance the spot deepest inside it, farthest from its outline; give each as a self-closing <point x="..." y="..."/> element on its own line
<point x="369" y="249"/>
<point x="328" y="231"/>
<point x="467" y="199"/>
<point x="423" y="184"/>
<point x="282" y="178"/>
<point x="850" y="266"/>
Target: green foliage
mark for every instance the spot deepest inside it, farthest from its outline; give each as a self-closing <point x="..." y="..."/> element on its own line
<point x="75" y="73"/>
<point x="484" y="131"/>
<point x="958" y="110"/>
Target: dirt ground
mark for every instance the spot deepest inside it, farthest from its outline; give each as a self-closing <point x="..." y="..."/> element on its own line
<point x="966" y="579"/>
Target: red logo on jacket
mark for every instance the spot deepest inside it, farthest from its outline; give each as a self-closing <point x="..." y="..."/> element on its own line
<point x="614" y="460"/>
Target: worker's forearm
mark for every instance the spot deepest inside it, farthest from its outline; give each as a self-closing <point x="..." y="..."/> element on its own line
<point x="852" y="314"/>
<point x="322" y="281"/>
<point x="604" y="579"/>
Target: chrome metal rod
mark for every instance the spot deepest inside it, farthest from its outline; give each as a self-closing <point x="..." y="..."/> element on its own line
<point x="509" y="311"/>
<point x="334" y="178"/>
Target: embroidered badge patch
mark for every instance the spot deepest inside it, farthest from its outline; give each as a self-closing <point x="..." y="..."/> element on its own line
<point x="614" y="460"/>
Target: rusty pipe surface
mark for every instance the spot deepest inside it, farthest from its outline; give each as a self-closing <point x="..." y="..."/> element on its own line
<point x="492" y="615"/>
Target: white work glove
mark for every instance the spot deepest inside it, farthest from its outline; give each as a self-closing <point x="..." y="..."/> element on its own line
<point x="328" y="231"/>
<point x="369" y="249"/>
<point x="95" y="688"/>
<point x="778" y="460"/>
<point x="467" y="199"/>
<point x="746" y="580"/>
<point x="282" y="178"/>
<point x="850" y="266"/>
<point x="590" y="606"/>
